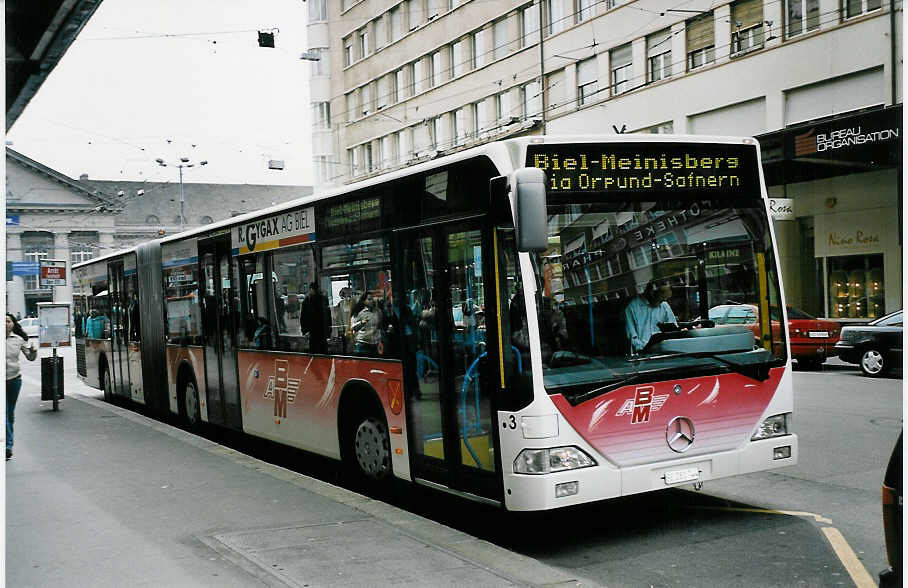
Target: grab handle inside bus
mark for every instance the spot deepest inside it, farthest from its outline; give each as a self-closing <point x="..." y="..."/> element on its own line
<point x="530" y="208"/>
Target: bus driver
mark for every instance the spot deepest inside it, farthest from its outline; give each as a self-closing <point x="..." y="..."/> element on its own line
<point x="645" y="312"/>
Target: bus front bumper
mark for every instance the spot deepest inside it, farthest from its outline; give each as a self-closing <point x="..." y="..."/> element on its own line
<point x="524" y="492"/>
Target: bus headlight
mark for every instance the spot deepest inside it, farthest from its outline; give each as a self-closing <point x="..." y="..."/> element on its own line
<point x="774" y="426"/>
<point x="551" y="459"/>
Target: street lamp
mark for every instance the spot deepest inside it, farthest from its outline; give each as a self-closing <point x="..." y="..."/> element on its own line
<point x="184" y="162"/>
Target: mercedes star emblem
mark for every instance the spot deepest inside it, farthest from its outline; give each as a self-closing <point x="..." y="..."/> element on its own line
<point x="680" y="434"/>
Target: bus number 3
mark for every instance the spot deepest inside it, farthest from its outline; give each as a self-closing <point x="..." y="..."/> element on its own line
<point x="510" y="423"/>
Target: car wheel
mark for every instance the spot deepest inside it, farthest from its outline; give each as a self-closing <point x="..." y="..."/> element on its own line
<point x="372" y="448"/>
<point x="873" y="363"/>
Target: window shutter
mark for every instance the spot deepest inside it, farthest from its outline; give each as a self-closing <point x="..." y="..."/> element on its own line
<point x="659" y="43"/>
<point x="587" y="71"/>
<point x="700" y="32"/>
<point x="621" y="56"/>
<point x="746" y="13"/>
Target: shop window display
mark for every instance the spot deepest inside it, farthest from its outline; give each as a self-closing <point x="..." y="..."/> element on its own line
<point x="856" y="286"/>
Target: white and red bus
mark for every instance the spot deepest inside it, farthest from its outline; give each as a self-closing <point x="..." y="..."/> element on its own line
<point x="490" y="323"/>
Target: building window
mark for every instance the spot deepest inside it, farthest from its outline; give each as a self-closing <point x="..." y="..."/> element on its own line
<point x="584" y="10"/>
<point x="397" y="23"/>
<point x="419" y="76"/>
<point x="503" y="107"/>
<point x="435" y="69"/>
<point x="381" y="32"/>
<point x="500" y="39"/>
<point x="348" y="51"/>
<point x="436" y="138"/>
<point x="415" y="12"/>
<point x="397" y="85"/>
<point x="383" y="91"/>
<point x="480" y="117"/>
<point x="152" y="219"/>
<point x="318" y="11"/>
<point x="529" y="26"/>
<point x="859" y="7"/>
<point x="363" y="37"/>
<point x="587" y="81"/>
<point x="405" y="145"/>
<point x="659" y="55"/>
<point x="701" y="48"/>
<point x="321" y="115"/>
<point x="82" y="246"/>
<point x="458" y="66"/>
<point x="557" y="15"/>
<point x="206" y="220"/>
<point x="532" y="99"/>
<point x="801" y="16"/>
<point x="36" y="246"/>
<point x="621" y="69"/>
<point x="480" y="51"/>
<point x="746" y="25"/>
<point x="366" y="99"/>
<point x="460" y="131"/>
<point x="351" y="106"/>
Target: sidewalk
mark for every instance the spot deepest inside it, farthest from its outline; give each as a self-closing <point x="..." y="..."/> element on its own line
<point x="100" y="496"/>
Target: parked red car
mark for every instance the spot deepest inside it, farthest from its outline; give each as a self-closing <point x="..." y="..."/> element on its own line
<point x="812" y="339"/>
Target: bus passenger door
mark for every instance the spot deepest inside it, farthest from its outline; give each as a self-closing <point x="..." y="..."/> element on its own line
<point x="452" y="439"/>
<point x="119" y="345"/>
<point x="217" y="304"/>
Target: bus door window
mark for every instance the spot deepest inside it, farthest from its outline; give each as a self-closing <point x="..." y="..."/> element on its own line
<point x="253" y="330"/>
<point x="181" y="299"/>
<point x="467" y="341"/>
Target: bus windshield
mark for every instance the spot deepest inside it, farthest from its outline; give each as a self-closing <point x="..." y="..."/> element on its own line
<point x="625" y="292"/>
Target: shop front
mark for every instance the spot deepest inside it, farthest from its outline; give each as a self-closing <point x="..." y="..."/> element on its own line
<point x="836" y="191"/>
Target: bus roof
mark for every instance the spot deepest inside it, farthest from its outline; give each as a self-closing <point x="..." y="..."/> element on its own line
<point x="505" y="154"/>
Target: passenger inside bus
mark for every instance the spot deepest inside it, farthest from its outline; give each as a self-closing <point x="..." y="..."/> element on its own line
<point x="366" y="325"/>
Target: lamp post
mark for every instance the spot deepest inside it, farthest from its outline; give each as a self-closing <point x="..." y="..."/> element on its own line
<point x="184" y="162"/>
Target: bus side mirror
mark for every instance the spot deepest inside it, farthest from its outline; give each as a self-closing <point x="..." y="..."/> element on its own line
<point x="530" y="205"/>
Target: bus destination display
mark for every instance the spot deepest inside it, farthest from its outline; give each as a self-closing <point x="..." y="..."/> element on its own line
<point x="644" y="167"/>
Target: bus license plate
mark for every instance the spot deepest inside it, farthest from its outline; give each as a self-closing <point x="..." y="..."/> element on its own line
<point x="681" y="476"/>
<point x="818" y="334"/>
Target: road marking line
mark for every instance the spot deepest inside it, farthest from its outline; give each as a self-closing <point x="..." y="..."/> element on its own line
<point x="856" y="569"/>
<point x="793" y="513"/>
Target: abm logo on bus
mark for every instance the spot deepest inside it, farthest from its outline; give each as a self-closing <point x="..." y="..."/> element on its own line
<point x="642" y="404"/>
<point x="282" y="388"/>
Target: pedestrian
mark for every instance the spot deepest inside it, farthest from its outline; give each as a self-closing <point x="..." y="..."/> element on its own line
<point x="16" y="341"/>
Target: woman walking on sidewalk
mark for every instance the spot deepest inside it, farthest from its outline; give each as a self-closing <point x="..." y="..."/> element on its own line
<point x="16" y="341"/>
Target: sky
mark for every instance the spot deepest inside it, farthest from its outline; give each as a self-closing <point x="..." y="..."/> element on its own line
<point x="177" y="78"/>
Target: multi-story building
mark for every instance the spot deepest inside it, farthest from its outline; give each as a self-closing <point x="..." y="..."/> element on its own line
<point x="52" y="216"/>
<point x="818" y="81"/>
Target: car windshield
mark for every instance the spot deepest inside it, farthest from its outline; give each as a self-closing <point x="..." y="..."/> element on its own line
<point x="890" y="319"/>
<point x="627" y="287"/>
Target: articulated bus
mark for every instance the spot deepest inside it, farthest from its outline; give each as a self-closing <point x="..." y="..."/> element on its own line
<point x="524" y="323"/>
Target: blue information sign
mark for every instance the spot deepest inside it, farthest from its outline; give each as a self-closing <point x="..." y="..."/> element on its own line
<point x="25" y="268"/>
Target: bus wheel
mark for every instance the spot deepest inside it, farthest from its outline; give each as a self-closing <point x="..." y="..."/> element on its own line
<point x="107" y="385"/>
<point x="372" y="448"/>
<point x="189" y="404"/>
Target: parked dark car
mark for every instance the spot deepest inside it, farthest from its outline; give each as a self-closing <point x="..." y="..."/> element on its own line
<point x="892" y="518"/>
<point x="876" y="346"/>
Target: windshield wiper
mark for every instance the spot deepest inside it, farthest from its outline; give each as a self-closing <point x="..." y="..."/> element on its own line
<point x="644" y="376"/>
<point x="752" y="364"/>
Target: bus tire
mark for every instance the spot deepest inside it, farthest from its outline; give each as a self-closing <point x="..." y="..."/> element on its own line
<point x="371" y="448"/>
<point x="188" y="397"/>
<point x="106" y="383"/>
